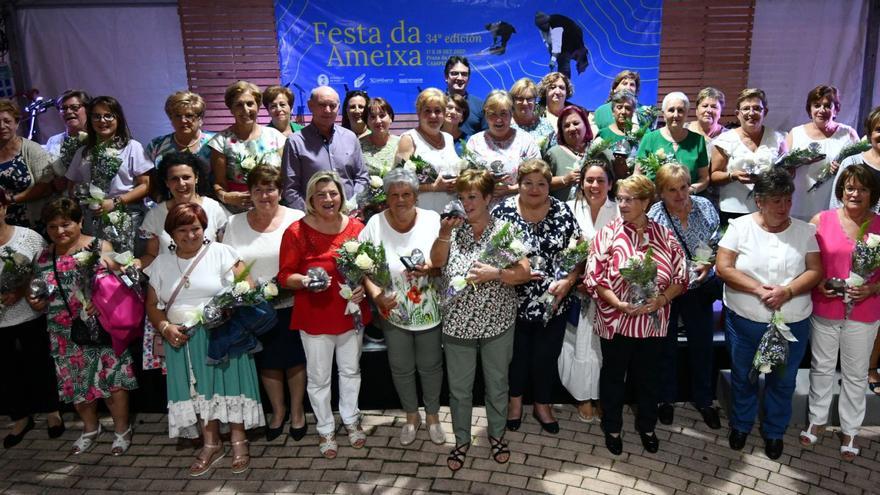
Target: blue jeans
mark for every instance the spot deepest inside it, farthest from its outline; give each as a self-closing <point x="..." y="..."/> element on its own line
<point x="695" y="309"/>
<point x="743" y="336"/>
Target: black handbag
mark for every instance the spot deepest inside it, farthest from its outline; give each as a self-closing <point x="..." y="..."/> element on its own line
<point x="82" y="333"/>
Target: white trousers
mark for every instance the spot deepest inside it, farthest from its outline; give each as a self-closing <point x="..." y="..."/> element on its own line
<point x="319" y="351"/>
<point x="854" y="340"/>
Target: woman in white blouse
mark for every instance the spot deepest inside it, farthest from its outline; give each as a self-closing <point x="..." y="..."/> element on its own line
<point x="256" y="236"/>
<point x="581" y="357"/>
<point x="741" y="153"/>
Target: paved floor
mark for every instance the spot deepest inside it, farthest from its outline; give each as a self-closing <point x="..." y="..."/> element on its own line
<point x="692" y="459"/>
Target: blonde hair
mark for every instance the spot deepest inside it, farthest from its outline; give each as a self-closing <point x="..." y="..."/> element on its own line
<point x="9" y="106"/>
<point x="534" y="166"/>
<point x="498" y="99"/>
<point x="670" y="173"/>
<point x="523" y="85"/>
<point x="749" y="93"/>
<point x="318" y="178"/>
<point x="237" y="88"/>
<point x="710" y="92"/>
<point x="478" y="179"/>
<point x="428" y="96"/>
<point x="184" y="100"/>
<point x="639" y="186"/>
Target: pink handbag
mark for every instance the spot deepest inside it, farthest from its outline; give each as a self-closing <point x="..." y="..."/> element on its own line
<point x="120" y="311"/>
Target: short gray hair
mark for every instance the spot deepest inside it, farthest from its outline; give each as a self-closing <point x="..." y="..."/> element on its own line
<point x="675" y="95"/>
<point x="403" y="176"/>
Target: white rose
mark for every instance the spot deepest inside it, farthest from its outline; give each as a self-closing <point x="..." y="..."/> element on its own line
<point x="124" y="259"/>
<point x="854" y="280"/>
<point x="83" y="257"/>
<point x="409" y="165"/>
<point x="661" y="154"/>
<point x="20" y="259"/>
<point x="572" y="243"/>
<point x="241" y="288"/>
<point x="96" y="193"/>
<point x="872" y="241"/>
<point x="112" y="152"/>
<point x="82" y="136"/>
<point x="364" y="262"/>
<point x="270" y="290"/>
<point x="114" y="217"/>
<point x="765" y="368"/>
<point x="375" y="181"/>
<point x="248" y="163"/>
<point x="351" y="247"/>
<point x="458" y="283"/>
<point x="518" y="246"/>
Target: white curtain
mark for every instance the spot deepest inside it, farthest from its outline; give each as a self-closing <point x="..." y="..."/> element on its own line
<point x="800" y="44"/>
<point x="133" y="53"/>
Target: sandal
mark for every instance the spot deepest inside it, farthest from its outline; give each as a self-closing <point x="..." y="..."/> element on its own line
<point x="121" y="443"/>
<point x="500" y="452"/>
<point x="328" y="446"/>
<point x="808" y="438"/>
<point x="202" y="465"/>
<point x="357" y="438"/>
<point x="240" y="462"/>
<point x="874" y="387"/>
<point x="848" y="451"/>
<point x="85" y="441"/>
<point x="455" y="461"/>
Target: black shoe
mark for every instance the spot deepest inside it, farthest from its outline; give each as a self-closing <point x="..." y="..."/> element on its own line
<point x="666" y="413"/>
<point x="737" y="439"/>
<point x="273" y="433"/>
<point x="773" y="447"/>
<point x="514" y="424"/>
<point x="298" y="434"/>
<point x="12" y="440"/>
<point x="552" y="428"/>
<point x="57" y="430"/>
<point x="614" y="444"/>
<point x="710" y="416"/>
<point x="650" y="442"/>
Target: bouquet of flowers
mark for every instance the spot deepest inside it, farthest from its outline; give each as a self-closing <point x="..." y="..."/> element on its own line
<point x="772" y="353"/>
<point x="800" y="156"/>
<point x="597" y="147"/>
<point x="218" y="310"/>
<point x="425" y="172"/>
<point x="69" y="147"/>
<point x="356" y="260"/>
<point x="16" y="270"/>
<point x="105" y="161"/>
<point x="86" y="263"/>
<point x="865" y="262"/>
<point x="248" y="160"/>
<point x="130" y="275"/>
<point x="651" y="163"/>
<point x="759" y="162"/>
<point x="505" y="247"/>
<point x="575" y="253"/>
<point x="703" y="255"/>
<point x="640" y="272"/>
<point x="647" y="116"/>
<point x="847" y="151"/>
<point x="117" y="228"/>
<point x="372" y="199"/>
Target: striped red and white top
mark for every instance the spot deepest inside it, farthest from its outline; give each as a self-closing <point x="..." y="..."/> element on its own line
<point x="613" y="245"/>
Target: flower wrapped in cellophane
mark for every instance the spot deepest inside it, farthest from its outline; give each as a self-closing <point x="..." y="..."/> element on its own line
<point x="825" y="173"/>
<point x="372" y="199"/>
<point x="865" y="262"/>
<point x="356" y="260"/>
<point x="772" y="353"/>
<point x="640" y="273"/>
<point x="17" y="270"/>
<point x="799" y="157"/>
<point x="575" y="253"/>
<point x="425" y="172"/>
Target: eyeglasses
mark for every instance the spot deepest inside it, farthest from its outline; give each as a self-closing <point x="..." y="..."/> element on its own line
<point x="189" y="117"/>
<point x="102" y="117"/>
<point x="459" y="73"/>
<point x="626" y="199"/>
<point x="523" y="99"/>
<point x="498" y="115"/>
<point x="72" y="108"/>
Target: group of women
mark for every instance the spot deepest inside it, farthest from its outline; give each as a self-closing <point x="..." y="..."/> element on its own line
<point x="515" y="319"/>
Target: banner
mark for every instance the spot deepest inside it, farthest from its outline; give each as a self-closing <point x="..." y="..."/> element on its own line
<point x="394" y="48"/>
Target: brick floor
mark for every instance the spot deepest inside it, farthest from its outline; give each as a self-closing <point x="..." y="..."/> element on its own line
<point x="692" y="460"/>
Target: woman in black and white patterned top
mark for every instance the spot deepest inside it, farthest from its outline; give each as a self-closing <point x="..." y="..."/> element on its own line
<point x="550" y="225"/>
<point x="479" y="319"/>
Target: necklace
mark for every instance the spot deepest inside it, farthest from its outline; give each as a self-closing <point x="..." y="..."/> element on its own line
<point x="181" y="145"/>
<point x="186" y="279"/>
<point x="435" y="141"/>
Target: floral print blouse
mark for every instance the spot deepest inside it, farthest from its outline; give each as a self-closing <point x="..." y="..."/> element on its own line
<point x="547" y="238"/>
<point x="482" y="310"/>
<point x="242" y="156"/>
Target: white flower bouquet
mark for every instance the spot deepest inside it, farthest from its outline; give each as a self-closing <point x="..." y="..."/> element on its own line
<point x="772" y="353"/>
<point x="825" y="174"/>
<point x="865" y="262"/>
<point x="567" y="260"/>
<point x="356" y="260"/>
<point x="17" y="270"/>
<point x="640" y="272"/>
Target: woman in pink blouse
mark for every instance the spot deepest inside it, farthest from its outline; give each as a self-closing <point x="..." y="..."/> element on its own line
<point x="632" y="334"/>
<point x="832" y="330"/>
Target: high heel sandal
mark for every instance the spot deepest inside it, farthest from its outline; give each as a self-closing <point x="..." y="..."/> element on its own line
<point x="455" y="461"/>
<point x="848" y="451"/>
<point x="500" y="452"/>
<point x="121" y="443"/>
<point x="241" y="462"/>
<point x="328" y="446"/>
<point x="357" y="437"/>
<point x="202" y="465"/>
<point x="85" y="441"/>
<point x="808" y="438"/>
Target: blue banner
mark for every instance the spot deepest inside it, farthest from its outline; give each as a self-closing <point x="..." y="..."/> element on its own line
<point x="392" y="48"/>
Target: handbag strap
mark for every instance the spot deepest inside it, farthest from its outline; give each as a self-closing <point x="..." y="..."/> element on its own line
<point x="186" y="275"/>
<point x="677" y="233"/>
<point x="60" y="284"/>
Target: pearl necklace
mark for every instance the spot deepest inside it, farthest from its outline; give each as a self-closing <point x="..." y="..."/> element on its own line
<point x="181" y="145"/>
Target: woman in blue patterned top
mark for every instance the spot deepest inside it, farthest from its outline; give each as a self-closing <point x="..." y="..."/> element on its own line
<point x="694" y="221"/>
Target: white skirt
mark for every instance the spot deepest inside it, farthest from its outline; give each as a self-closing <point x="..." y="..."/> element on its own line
<point x="581" y="358"/>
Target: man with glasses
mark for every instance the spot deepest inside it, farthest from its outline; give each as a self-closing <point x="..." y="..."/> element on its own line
<point x="322" y="145"/>
<point x="458" y="73"/>
<point x="72" y="109"/>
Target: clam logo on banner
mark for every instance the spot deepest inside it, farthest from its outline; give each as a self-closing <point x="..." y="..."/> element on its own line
<point x="404" y="49"/>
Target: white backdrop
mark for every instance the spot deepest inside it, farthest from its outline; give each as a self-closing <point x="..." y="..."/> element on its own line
<point x="133" y="53"/>
<point x="799" y="44"/>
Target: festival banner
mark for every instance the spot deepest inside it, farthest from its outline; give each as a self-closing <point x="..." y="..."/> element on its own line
<point x="394" y="48"/>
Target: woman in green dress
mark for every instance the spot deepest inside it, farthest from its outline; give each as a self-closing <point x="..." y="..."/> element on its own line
<point x="200" y="394"/>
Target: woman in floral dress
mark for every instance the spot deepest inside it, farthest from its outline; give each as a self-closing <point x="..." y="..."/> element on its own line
<point x="242" y="146"/>
<point x="85" y="373"/>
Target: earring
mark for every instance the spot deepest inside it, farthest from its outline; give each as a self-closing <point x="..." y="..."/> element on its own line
<point x="172" y="247"/>
<point x="206" y="241"/>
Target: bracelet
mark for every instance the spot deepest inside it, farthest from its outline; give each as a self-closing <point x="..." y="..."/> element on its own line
<point x="729" y="176"/>
<point x="441" y="239"/>
<point x="163" y="326"/>
<point x="790" y="291"/>
<point x="117" y="201"/>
